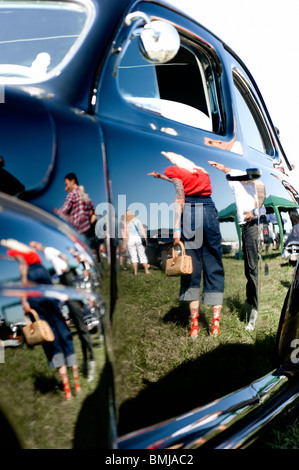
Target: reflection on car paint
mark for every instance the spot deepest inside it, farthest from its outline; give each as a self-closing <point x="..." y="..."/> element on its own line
<point x="111" y="116"/>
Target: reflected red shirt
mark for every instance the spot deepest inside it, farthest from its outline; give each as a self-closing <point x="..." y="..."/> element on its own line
<point x="195" y="184"/>
<point x="30" y="257"/>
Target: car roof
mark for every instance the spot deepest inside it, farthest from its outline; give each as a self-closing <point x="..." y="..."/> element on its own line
<point x="76" y="79"/>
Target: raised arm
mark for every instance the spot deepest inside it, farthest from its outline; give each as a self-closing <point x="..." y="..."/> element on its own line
<point x="178" y="209"/>
<point x="155" y="174"/>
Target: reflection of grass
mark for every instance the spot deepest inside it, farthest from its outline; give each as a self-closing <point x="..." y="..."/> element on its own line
<point x="160" y="372"/>
<point x="34" y="397"/>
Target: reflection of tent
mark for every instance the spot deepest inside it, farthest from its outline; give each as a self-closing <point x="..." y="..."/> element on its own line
<point x="279" y="204"/>
<point x="229" y="214"/>
<point x="273" y="204"/>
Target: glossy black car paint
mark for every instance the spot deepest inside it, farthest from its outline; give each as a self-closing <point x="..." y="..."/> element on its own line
<point x="79" y="121"/>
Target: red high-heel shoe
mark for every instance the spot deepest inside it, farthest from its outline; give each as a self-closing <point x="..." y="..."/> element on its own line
<point x="67" y="390"/>
<point x="194" y="327"/>
<point x="77" y="383"/>
<point x="215" y="328"/>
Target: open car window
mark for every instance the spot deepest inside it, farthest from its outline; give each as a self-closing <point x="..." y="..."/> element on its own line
<point x="182" y="89"/>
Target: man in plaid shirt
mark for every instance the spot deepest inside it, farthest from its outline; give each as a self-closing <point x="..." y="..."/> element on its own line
<point x="78" y="208"/>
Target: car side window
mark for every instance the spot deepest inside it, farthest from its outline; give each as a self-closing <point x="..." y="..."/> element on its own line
<point x="254" y="128"/>
<point x="182" y="89"/>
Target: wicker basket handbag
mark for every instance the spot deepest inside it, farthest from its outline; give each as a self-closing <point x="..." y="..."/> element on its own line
<point x="38" y="331"/>
<point x="179" y="265"/>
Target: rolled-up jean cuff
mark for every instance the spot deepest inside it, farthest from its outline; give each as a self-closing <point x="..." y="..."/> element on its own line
<point x="190" y="294"/>
<point x="212" y="298"/>
<point x="59" y="360"/>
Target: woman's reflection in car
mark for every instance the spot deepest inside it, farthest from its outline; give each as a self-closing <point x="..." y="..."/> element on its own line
<point x="193" y="195"/>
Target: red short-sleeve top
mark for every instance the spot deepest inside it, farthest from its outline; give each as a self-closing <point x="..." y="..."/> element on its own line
<point x="195" y="184"/>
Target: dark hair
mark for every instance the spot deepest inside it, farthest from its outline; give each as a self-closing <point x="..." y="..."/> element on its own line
<point x="71" y="176"/>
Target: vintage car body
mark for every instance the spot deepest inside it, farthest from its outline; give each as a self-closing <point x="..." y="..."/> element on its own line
<point x="107" y="114"/>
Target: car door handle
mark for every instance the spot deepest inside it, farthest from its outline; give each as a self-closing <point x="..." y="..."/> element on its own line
<point x="251" y="174"/>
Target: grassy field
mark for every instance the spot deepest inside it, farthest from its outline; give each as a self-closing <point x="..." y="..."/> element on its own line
<point x="160" y="372"/>
<point x="34" y="398"/>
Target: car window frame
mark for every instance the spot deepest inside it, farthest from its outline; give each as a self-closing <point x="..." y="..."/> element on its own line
<point x="210" y="93"/>
<point x="198" y="45"/>
<point x="246" y="91"/>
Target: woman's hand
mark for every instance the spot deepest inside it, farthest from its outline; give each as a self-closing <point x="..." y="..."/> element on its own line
<point x="248" y="216"/>
<point x="155" y="174"/>
<point x="159" y="175"/>
<point x="176" y="236"/>
<point x="26" y="306"/>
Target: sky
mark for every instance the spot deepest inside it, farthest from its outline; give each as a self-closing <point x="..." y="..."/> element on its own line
<point x="265" y="35"/>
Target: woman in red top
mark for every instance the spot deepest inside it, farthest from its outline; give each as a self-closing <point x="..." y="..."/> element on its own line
<point x="60" y="353"/>
<point x="196" y="224"/>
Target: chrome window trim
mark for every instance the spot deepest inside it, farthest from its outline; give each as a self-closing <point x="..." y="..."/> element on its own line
<point x="238" y="76"/>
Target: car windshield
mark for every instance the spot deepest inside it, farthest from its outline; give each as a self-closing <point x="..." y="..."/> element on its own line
<point x="38" y="38"/>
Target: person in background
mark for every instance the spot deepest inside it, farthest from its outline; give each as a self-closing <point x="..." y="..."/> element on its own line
<point x="122" y="252"/>
<point x="249" y="197"/>
<point x="78" y="209"/>
<point x="133" y="241"/>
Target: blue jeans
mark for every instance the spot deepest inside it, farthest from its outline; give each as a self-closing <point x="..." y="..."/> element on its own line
<point x="61" y="351"/>
<point x="207" y="258"/>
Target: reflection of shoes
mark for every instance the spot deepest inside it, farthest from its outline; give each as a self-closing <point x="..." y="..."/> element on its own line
<point x="194" y="327"/>
<point x="252" y="320"/>
<point x="67" y="390"/>
<point x="215" y="328"/>
<point x="249" y="327"/>
<point x="91" y="371"/>
<point x="77" y="383"/>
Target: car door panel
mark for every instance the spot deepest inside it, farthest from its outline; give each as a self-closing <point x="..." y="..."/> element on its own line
<point x="137" y="139"/>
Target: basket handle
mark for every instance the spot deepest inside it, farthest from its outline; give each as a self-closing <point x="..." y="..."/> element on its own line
<point x="33" y="313"/>
<point x="174" y="254"/>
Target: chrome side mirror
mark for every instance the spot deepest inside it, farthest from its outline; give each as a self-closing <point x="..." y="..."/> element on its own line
<point x="159" y="41"/>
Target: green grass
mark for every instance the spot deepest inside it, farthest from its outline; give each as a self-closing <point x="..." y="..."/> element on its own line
<point x="159" y="371"/>
<point x="34" y="397"/>
<point x="284" y="435"/>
